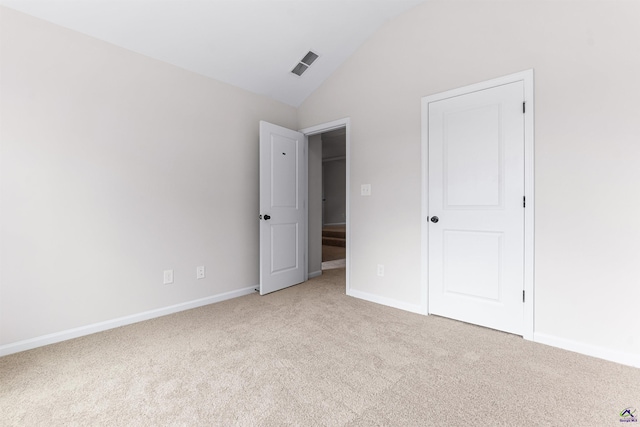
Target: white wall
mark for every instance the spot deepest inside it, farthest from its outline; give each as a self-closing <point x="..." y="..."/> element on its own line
<point x="115" y="167"/>
<point x="587" y="137"/>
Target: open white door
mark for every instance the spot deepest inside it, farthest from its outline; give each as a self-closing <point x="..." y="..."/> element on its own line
<point x="283" y="208"/>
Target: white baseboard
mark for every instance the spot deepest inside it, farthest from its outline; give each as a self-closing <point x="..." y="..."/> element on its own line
<point x="589" y="350"/>
<point x="386" y="301"/>
<point x="115" y="323"/>
<point x="315" y="274"/>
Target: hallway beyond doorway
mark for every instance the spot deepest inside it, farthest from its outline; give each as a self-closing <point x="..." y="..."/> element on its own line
<point x="333" y="247"/>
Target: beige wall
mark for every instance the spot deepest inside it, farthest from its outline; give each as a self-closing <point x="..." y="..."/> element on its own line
<point x="587" y="137"/>
<point x="115" y="167"/>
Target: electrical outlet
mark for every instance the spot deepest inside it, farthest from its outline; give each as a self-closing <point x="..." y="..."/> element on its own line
<point x="168" y="277"/>
<point x="365" y="190"/>
<point x="380" y="269"/>
<point x="200" y="272"/>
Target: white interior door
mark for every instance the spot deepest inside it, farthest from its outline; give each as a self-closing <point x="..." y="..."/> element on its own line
<point x="283" y="211"/>
<point x="476" y="191"/>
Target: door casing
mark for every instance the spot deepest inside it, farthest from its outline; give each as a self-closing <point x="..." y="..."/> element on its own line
<point x="527" y="78"/>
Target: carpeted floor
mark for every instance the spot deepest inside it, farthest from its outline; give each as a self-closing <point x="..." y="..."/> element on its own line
<point x="309" y="355"/>
<point x="332" y="253"/>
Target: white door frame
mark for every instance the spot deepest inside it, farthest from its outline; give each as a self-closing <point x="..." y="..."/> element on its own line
<point x="322" y="128"/>
<point x="527" y="78"/>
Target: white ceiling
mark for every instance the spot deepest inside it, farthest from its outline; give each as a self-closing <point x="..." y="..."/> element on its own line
<point x="252" y="44"/>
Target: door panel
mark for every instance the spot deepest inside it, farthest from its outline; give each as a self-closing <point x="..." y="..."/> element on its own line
<point x="476" y="186"/>
<point x="284" y="168"/>
<point x="473" y="253"/>
<point x="284" y="247"/>
<point x="283" y="223"/>
<point x="473" y="166"/>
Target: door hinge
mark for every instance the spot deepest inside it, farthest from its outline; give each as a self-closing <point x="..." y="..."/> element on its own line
<point x="523" y="296"/>
<point x="524" y="201"/>
<point x="523" y="107"/>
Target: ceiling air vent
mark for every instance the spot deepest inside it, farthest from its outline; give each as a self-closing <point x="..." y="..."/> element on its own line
<point x="309" y="58"/>
<point x="299" y="69"/>
<point x="304" y="63"/>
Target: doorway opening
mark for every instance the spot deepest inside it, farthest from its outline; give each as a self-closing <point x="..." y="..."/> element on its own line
<point x="334" y="173"/>
<point x="328" y="197"/>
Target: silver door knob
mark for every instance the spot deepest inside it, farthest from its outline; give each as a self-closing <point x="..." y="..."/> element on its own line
<point x="434" y="219"/>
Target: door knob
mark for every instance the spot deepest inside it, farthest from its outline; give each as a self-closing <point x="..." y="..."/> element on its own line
<point x="434" y="219"/>
<point x="266" y="217"/>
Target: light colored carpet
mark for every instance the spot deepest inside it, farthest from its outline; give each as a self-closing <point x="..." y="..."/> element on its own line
<point x="309" y="355"/>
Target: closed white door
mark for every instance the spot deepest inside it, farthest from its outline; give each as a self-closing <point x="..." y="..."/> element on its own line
<point x="476" y="212"/>
<point x="283" y="211"/>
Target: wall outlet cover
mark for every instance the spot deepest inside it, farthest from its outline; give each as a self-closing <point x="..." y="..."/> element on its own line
<point x="168" y="277"/>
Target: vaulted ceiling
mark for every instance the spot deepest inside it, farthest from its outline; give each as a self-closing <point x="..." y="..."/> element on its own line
<point x="252" y="44"/>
